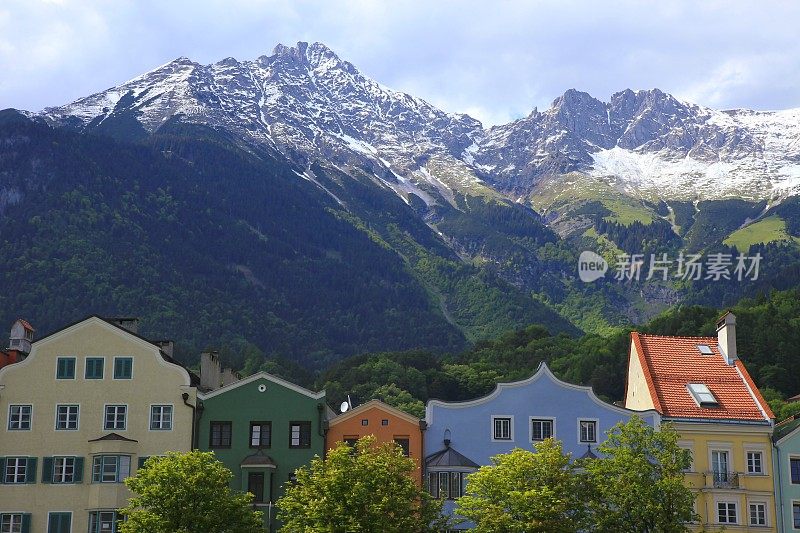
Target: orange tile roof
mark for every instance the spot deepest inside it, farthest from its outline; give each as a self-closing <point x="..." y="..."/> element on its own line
<point x="670" y="363"/>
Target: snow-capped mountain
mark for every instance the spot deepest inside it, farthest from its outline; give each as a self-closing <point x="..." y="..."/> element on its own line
<point x="311" y="105"/>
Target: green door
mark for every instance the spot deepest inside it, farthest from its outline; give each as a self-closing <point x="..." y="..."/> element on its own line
<point x="59" y="523"/>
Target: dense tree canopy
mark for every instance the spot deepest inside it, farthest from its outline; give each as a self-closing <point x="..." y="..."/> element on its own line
<point x="187" y="493"/>
<point x="369" y="489"/>
<point x="526" y="491"/>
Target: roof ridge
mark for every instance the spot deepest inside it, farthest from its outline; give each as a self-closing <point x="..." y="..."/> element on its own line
<point x="688" y="337"/>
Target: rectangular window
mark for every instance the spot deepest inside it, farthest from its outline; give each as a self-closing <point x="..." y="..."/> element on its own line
<point x="123" y="367"/>
<point x="111" y="468"/>
<point x="12" y="522"/>
<point x="65" y="368"/>
<point x="444" y="485"/>
<point x="501" y="428"/>
<point x="220" y="435"/>
<point x="104" y="522"/>
<point x="59" y="523"/>
<point x="455" y="485"/>
<point x="66" y="417"/>
<point x="719" y="466"/>
<point x="19" y="417"/>
<point x="19" y="470"/>
<point x="299" y="434"/>
<point x="63" y="469"/>
<point x="115" y="417"/>
<point x="588" y="430"/>
<point x="758" y="514"/>
<point x="794" y="466"/>
<point x="94" y="368"/>
<point x="403" y="442"/>
<point x="255" y="486"/>
<point x="260" y="434"/>
<point x="796" y="515"/>
<point x="726" y="513"/>
<point x="161" y="417"/>
<point x="755" y="463"/>
<point x="541" y="429"/>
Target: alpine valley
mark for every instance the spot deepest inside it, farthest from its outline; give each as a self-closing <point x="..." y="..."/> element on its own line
<point x="294" y="206"/>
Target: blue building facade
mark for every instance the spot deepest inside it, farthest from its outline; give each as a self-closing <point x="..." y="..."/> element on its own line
<point x="462" y="436"/>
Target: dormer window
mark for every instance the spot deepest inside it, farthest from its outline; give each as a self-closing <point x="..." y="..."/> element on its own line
<point x="705" y="349"/>
<point x="701" y="394"/>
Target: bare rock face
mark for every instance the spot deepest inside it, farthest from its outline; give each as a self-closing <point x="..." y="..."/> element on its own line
<point x="309" y="104"/>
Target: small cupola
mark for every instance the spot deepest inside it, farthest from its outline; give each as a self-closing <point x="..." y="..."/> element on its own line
<point x="21" y="336"/>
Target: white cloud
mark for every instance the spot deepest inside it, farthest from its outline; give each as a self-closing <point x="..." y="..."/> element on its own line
<point x="494" y="60"/>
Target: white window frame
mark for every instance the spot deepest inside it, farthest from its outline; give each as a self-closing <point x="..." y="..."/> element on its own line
<point x="789" y="469"/>
<point x="596" y="430"/>
<point x="124" y="418"/>
<point x="735" y="504"/>
<point x="77" y="418"/>
<point x="762" y="471"/>
<point x="14" y="521"/>
<point x="550" y="419"/>
<point x="797" y="503"/>
<point x="74" y="370"/>
<point x="20" y="463"/>
<point x="71" y="517"/>
<point x="688" y="445"/>
<point x="114" y="367"/>
<point x="19" y="422"/>
<point x="86" y="363"/>
<point x="161" y="425"/>
<point x="510" y="428"/>
<point x="720" y="447"/>
<point x="118" y="471"/>
<point x="766" y="513"/>
<point x="63" y="469"/>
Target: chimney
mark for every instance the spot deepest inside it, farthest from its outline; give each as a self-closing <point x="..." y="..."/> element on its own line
<point x="726" y="336"/>
<point x="129" y="323"/>
<point x="21" y="337"/>
<point x="210" y="371"/>
<point x="168" y="347"/>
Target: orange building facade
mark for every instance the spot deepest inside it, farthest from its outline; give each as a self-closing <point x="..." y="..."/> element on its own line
<point x="383" y="421"/>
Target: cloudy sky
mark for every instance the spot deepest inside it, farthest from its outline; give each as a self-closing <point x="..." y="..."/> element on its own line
<point x="494" y="60"/>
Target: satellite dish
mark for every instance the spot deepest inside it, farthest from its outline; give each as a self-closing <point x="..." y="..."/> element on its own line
<point x="344" y="407"/>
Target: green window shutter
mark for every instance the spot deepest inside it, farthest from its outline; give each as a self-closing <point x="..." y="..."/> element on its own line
<point x="142" y="459"/>
<point x="2" y="469"/>
<point x="30" y="472"/>
<point x="79" y="470"/>
<point x="26" y="523"/>
<point x="47" y="470"/>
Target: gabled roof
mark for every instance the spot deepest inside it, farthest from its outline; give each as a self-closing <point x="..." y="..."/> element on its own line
<point x="112" y="436"/>
<point x="267" y="377"/>
<point x="786" y="428"/>
<point x="451" y="458"/>
<point x="671" y="363"/>
<point x="374" y="404"/>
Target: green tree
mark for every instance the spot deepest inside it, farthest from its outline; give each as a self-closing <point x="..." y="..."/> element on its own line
<point x="367" y="490"/>
<point x="187" y="493"/>
<point x="637" y="487"/>
<point x="526" y="491"/>
<point x="393" y="395"/>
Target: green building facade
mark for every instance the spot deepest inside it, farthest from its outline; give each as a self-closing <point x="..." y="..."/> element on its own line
<point x="262" y="428"/>
<point x="786" y="466"/>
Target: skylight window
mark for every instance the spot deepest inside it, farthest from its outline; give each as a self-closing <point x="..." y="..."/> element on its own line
<point x="705" y="349"/>
<point x="703" y="396"/>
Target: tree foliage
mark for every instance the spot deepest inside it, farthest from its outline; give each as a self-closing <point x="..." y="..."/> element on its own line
<point x="369" y="489"/>
<point x="638" y="486"/>
<point x="187" y="493"/>
<point x="526" y="491"/>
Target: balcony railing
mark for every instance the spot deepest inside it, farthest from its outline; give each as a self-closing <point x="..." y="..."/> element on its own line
<point x="724" y="480"/>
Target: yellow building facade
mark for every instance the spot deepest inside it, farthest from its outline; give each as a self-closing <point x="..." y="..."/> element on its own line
<point x="77" y="416"/>
<point x="700" y="386"/>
